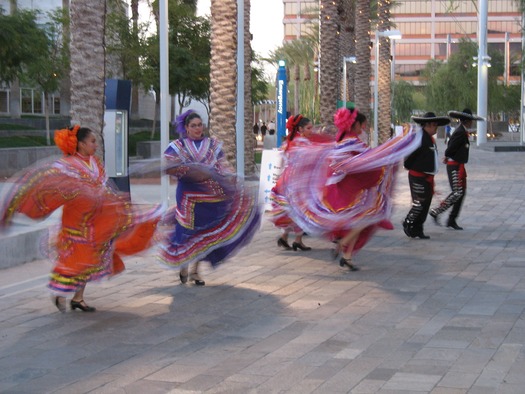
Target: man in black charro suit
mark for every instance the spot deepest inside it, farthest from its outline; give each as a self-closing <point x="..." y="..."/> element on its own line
<point x="422" y="165"/>
<point x="456" y="156"/>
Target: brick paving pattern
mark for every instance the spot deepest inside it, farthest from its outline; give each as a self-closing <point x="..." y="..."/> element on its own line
<point x="444" y="315"/>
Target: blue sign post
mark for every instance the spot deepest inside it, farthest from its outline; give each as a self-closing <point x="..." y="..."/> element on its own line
<point x="281" y="102"/>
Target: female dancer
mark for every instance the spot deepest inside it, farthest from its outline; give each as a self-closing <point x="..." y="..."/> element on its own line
<point x="343" y="190"/>
<point x="298" y="126"/>
<point x="98" y="223"/>
<point x="215" y="215"/>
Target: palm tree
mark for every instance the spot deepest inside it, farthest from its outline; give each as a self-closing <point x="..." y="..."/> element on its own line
<point x="223" y="74"/>
<point x="348" y="45"/>
<point x="384" y="78"/>
<point x="299" y="54"/>
<point x="88" y="71"/>
<point x="329" y="58"/>
<point x="362" y="67"/>
<point x="249" y="141"/>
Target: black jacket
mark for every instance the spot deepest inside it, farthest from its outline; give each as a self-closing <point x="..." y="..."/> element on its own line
<point x="458" y="145"/>
<point x="423" y="159"/>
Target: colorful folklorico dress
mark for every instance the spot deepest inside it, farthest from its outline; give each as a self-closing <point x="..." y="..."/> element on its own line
<point x="331" y="188"/>
<point x="98" y="224"/>
<point x="215" y="215"/>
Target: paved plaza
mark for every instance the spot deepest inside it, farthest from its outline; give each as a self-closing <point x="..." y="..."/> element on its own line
<point x="444" y="315"/>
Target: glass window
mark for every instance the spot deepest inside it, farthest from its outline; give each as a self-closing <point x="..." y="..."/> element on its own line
<point x="417" y="50"/>
<point x="409" y="70"/>
<point x="414" y="28"/>
<point x="27" y="101"/>
<point x="4" y="101"/>
<point x="56" y="105"/>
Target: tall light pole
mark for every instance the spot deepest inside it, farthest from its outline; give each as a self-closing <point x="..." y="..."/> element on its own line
<point x="164" y="94"/>
<point x="346" y="59"/>
<point x="239" y="124"/>
<point x="393" y="35"/>
<point x="483" y="72"/>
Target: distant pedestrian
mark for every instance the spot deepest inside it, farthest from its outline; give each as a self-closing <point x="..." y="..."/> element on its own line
<point x="271" y="125"/>
<point x="456" y="156"/>
<point x="422" y="165"/>
<point x="264" y="128"/>
<point x="256" y="129"/>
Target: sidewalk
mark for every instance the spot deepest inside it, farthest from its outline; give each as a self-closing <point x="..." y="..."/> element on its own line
<point x="444" y="315"/>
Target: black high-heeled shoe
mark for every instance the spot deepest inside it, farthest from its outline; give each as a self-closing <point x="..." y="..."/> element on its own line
<point x="347" y="262"/>
<point x="183" y="275"/>
<point x="297" y="245"/>
<point x="197" y="279"/>
<point x="283" y="244"/>
<point x="82" y="306"/>
<point x="60" y="303"/>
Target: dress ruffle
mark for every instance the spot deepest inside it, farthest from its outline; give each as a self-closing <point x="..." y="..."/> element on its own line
<point x="97" y="225"/>
<point x="327" y="189"/>
<point x="216" y="214"/>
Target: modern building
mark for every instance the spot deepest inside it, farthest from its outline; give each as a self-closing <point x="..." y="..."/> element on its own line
<point x="431" y="29"/>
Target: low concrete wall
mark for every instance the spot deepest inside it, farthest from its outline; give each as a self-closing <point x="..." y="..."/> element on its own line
<point x="13" y="160"/>
<point x="21" y="246"/>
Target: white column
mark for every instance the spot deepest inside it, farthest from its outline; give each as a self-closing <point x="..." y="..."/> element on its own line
<point x="482" y="72"/>
<point x="164" y="95"/>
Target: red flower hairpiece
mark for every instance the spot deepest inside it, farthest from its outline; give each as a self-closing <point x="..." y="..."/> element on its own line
<point x="66" y="140"/>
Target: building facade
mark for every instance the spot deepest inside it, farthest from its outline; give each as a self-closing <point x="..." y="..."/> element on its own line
<point x="431" y="29"/>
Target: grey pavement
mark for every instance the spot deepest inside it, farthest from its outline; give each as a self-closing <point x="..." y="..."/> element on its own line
<point x="444" y="315"/>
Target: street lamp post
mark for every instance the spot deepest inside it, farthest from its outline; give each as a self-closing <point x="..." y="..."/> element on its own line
<point x="346" y="59"/>
<point x="393" y="35"/>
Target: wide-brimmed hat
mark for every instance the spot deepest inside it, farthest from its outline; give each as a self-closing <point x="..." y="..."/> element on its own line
<point x="431" y="117"/>
<point x="466" y="114"/>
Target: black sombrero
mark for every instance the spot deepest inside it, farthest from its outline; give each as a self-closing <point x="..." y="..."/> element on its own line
<point x="465" y="115"/>
<point x="431" y="117"/>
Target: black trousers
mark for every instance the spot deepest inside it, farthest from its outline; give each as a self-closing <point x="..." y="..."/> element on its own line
<point x="457" y="178"/>
<point x="421" y="190"/>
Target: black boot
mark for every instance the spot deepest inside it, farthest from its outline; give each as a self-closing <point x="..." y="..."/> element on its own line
<point x="452" y="224"/>
<point x="433" y="213"/>
<point x="407" y="228"/>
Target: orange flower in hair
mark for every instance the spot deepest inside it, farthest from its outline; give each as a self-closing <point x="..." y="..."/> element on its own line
<point x="66" y="140"/>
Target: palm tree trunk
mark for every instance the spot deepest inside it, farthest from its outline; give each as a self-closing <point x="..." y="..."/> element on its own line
<point x="249" y="141"/>
<point x="223" y="76"/>
<point x="363" y="69"/>
<point x="348" y="46"/>
<point x="384" y="104"/>
<point x="329" y="59"/>
<point x="65" y="83"/>
<point x="88" y="70"/>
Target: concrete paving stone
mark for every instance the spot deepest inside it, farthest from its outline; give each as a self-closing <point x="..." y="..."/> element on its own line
<point x="412" y="382"/>
<point x="458" y="380"/>
<point x="268" y="366"/>
<point x="324" y="370"/>
<point x="350" y="376"/>
<point x="96" y="382"/>
<point x="177" y="373"/>
<point x="439" y="354"/>
<point x="238" y="384"/>
<point x="289" y="377"/>
<point x="201" y="383"/>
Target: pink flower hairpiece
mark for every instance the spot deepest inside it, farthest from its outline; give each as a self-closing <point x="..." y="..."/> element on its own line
<point x="343" y="120"/>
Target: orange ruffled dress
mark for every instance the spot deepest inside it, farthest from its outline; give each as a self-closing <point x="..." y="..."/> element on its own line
<point x="98" y="223"/>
